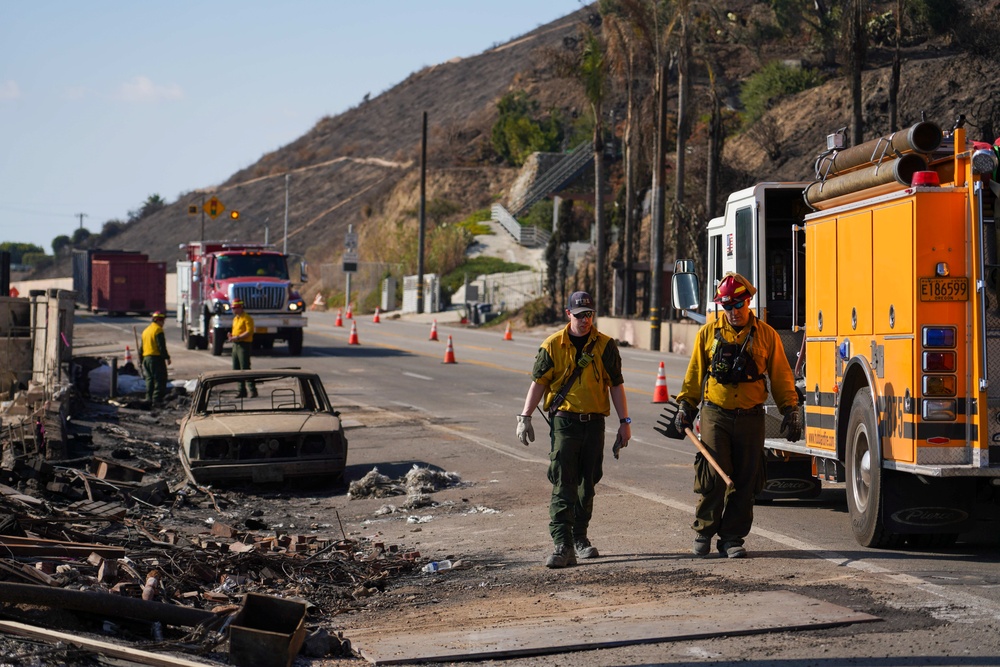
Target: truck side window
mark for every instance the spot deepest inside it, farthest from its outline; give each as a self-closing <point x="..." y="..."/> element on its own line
<point x="744" y="244"/>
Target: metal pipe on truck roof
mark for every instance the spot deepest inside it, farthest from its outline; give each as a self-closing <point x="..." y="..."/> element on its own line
<point x="899" y="170"/>
<point x="923" y="137"/>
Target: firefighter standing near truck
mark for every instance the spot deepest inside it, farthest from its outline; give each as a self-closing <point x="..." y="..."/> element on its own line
<point x="153" y="357"/>
<point x="241" y="336"/>
<point x="575" y="370"/>
<point x="730" y="360"/>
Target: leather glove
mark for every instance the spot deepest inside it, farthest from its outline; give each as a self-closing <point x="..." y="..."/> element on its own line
<point x="525" y="432"/>
<point x="792" y="423"/>
<point x="685" y="416"/>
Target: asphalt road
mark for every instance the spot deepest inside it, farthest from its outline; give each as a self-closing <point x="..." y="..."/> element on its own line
<point x="396" y="367"/>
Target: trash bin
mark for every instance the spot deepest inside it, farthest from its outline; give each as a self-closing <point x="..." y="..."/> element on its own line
<point x="485" y="313"/>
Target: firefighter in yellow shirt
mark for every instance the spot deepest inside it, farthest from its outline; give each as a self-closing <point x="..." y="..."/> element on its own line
<point x="726" y="374"/>
<point x="154" y="358"/>
<point x="241" y="336"/>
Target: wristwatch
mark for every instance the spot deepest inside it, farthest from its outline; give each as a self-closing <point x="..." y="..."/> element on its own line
<point x="625" y="420"/>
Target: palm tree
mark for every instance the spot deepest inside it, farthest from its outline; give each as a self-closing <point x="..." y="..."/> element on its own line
<point x="592" y="75"/>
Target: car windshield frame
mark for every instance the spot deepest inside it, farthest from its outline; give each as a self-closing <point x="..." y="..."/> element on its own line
<point x="275" y="393"/>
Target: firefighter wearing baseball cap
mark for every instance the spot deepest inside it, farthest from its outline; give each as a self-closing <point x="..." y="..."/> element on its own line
<point x="577" y="370"/>
<point x="154" y="358"/>
<point x="241" y="336"/>
<point x="726" y="374"/>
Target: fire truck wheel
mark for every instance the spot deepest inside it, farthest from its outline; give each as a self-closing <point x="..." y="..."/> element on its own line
<point x="295" y="343"/>
<point x="216" y="341"/>
<point x="864" y="473"/>
<point x="190" y="342"/>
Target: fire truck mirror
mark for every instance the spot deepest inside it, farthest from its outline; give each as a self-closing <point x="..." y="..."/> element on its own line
<point x="303" y="272"/>
<point x="684" y="291"/>
<point x="195" y="271"/>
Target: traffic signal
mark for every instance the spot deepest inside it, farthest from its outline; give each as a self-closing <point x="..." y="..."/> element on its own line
<point x="213" y="209"/>
<point x="235" y="215"/>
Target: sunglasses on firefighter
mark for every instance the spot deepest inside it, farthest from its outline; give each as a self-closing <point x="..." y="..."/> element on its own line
<point x="737" y="305"/>
<point x="584" y="316"/>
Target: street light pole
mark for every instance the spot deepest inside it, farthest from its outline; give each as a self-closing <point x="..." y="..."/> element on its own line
<point x="284" y="247"/>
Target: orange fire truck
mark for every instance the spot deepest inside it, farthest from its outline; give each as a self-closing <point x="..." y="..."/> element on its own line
<point x="883" y="278"/>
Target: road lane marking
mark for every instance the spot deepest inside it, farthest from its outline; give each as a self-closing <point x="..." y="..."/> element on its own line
<point x="418" y="376"/>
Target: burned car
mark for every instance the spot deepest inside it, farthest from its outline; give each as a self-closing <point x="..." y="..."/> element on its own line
<point x="286" y="428"/>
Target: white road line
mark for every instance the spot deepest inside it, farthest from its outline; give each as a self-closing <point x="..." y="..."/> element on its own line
<point x="418" y="376"/>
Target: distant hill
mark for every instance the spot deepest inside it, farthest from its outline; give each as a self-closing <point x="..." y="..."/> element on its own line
<point x="352" y="160"/>
<point x="364" y="163"/>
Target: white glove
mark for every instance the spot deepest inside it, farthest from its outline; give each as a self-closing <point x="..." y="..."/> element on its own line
<point x="525" y="432"/>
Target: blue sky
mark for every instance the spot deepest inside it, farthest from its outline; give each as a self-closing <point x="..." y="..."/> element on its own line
<point x="105" y="102"/>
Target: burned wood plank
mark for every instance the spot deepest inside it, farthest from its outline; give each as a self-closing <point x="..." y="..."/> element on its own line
<point x="39" y="548"/>
<point x="97" y="646"/>
<point x="102" y="603"/>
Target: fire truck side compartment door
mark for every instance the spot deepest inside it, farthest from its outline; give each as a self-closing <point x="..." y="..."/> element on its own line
<point x="854" y="283"/>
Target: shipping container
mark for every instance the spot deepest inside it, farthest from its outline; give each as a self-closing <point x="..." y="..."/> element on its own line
<point x="82" y="268"/>
<point x="122" y="285"/>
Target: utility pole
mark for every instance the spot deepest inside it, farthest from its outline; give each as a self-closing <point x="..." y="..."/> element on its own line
<point x="82" y="216"/>
<point x="284" y="247"/>
<point x="657" y="222"/>
<point x="423" y="220"/>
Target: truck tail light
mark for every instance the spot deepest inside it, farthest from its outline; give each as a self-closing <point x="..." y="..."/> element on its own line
<point x="939" y="362"/>
<point x="939" y="385"/>
<point x="938" y="410"/>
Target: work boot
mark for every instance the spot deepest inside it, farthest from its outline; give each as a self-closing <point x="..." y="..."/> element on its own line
<point x="702" y="545"/>
<point x="732" y="550"/>
<point x="253" y="393"/>
<point x="563" y="556"/>
<point x="241" y="393"/>
<point x="584" y="549"/>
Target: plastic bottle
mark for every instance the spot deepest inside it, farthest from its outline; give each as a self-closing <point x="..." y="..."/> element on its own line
<point x="434" y="566"/>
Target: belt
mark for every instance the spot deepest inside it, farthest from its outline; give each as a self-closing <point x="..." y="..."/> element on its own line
<point x="580" y="416"/>
<point x="755" y="410"/>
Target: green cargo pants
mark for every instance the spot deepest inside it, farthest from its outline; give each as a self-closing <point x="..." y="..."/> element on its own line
<point x="735" y="439"/>
<point x="575" y="467"/>
<point x="241" y="362"/>
<point x="155" y="369"/>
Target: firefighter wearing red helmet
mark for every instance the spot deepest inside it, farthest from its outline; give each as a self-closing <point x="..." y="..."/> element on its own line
<point x="726" y="375"/>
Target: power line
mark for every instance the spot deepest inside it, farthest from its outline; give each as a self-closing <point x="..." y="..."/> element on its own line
<point x="81" y="216"/>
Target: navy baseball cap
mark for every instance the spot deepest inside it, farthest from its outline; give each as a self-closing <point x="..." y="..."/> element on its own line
<point x="580" y="302"/>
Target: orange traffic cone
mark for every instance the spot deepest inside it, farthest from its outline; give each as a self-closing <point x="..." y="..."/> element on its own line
<point x="340" y="320"/>
<point x="349" y="314"/>
<point x="376" y="320"/>
<point x="660" y="393"/>
<point x="507" y="335"/>
<point x="353" y="338"/>
<point x="128" y="355"/>
<point x="449" y="353"/>
<point x="434" y="330"/>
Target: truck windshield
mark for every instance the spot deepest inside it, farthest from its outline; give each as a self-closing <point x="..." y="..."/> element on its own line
<point x="238" y="266"/>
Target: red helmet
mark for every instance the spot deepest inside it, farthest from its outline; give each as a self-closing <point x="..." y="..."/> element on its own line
<point x="731" y="290"/>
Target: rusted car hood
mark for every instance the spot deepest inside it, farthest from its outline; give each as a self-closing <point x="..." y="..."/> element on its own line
<point x="209" y="426"/>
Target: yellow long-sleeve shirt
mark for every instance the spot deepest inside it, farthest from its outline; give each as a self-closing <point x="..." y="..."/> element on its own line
<point x="767" y="352"/>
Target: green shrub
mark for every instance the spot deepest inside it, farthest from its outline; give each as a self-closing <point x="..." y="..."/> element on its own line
<point x="476" y="266"/>
<point x="537" y="313"/>
<point x="937" y="15"/>
<point x="473" y="223"/>
<point x="775" y="81"/>
<point x="520" y="131"/>
<point x="539" y="215"/>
